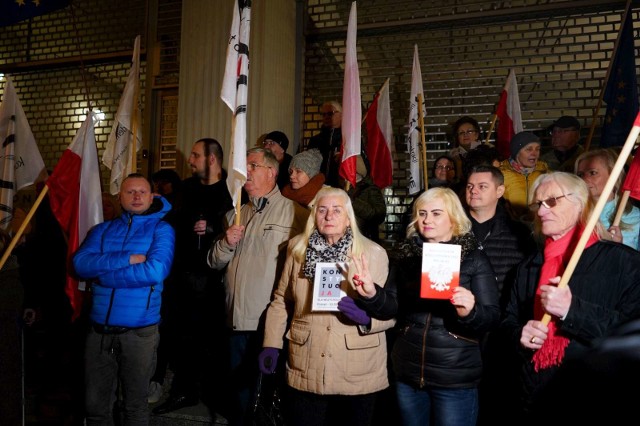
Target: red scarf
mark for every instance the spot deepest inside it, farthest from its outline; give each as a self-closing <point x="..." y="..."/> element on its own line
<point x="305" y="194"/>
<point x="557" y="254"/>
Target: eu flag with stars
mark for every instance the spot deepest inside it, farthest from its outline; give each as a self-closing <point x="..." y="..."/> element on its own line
<point x="621" y="93"/>
<point x="12" y="11"/>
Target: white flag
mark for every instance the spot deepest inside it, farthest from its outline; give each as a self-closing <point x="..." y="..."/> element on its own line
<point x="413" y="136"/>
<point x="117" y="154"/>
<point x="351" y="103"/>
<point x="21" y="163"/>
<point x="235" y="89"/>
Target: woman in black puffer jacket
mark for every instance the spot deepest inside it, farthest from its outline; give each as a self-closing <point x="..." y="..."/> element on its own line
<point x="436" y="355"/>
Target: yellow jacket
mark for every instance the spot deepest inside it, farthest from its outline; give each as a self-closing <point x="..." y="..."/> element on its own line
<point x="517" y="186"/>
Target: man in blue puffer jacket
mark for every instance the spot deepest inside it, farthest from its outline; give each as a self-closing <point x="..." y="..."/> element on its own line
<point x="127" y="259"/>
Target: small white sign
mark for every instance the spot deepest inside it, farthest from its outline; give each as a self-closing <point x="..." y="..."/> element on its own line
<point x="327" y="285"/>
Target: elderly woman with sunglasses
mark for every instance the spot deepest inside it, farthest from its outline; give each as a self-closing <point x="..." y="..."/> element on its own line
<point x="602" y="293"/>
<point x="337" y="360"/>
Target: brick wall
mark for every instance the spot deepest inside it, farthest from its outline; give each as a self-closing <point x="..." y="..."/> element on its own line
<point x="43" y="58"/>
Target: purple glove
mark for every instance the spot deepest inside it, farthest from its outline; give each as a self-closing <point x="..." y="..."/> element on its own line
<point x="268" y="359"/>
<point x="348" y="307"/>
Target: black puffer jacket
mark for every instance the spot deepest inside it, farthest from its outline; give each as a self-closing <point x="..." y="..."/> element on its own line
<point x="508" y="243"/>
<point x="434" y="346"/>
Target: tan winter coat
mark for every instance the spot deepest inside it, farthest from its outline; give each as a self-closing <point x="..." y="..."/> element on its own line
<point x="328" y="353"/>
<point x="254" y="265"/>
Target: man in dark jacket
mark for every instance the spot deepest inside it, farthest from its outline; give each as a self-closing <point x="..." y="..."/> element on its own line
<point x="329" y="141"/>
<point x="277" y="142"/>
<point x="195" y="320"/>
<point x="506" y="243"/>
<point x="127" y="259"/>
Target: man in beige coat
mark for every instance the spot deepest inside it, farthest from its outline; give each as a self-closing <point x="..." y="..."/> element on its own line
<point x="253" y="254"/>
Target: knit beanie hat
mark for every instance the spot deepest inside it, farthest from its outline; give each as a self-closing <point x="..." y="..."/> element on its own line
<point x="278" y="137"/>
<point x="308" y="161"/>
<point x="520" y="140"/>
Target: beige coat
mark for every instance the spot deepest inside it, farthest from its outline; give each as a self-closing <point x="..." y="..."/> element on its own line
<point x="328" y="353"/>
<point x="254" y="264"/>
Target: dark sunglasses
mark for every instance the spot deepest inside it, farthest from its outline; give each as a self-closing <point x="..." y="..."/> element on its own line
<point x="548" y="203"/>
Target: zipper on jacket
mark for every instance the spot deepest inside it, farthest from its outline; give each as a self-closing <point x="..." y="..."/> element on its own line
<point x="463" y="338"/>
<point x="126" y="236"/>
<point x="424" y="350"/>
<point x="151" y="290"/>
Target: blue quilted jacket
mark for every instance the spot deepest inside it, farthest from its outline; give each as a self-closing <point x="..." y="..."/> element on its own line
<point x="127" y="295"/>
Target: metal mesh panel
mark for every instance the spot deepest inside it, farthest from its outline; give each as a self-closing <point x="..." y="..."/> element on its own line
<point x="168" y="131"/>
<point x="466" y="51"/>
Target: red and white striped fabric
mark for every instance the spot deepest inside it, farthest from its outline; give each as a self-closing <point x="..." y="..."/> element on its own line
<point x="380" y="138"/>
<point x="76" y="198"/>
<point x="351" y="104"/>
<point x="509" y="115"/>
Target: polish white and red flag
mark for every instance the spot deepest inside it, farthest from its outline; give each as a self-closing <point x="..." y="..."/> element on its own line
<point x="379" y="147"/>
<point x="76" y="199"/>
<point x="234" y="93"/>
<point x="351" y="104"/>
<point x="509" y="115"/>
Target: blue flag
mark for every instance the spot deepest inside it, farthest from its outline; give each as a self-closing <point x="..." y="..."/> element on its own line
<point x="621" y="93"/>
<point x="12" y="11"/>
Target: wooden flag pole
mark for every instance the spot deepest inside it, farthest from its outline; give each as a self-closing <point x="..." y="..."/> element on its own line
<point x="493" y="124"/>
<point x="623" y="203"/>
<point x="134" y="119"/>
<point x="238" y="206"/>
<point x="595" y="215"/>
<point x="25" y="222"/>
<point x="596" y="110"/>
<point x="423" y="142"/>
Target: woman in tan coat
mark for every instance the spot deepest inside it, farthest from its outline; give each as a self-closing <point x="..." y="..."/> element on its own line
<point x="337" y="359"/>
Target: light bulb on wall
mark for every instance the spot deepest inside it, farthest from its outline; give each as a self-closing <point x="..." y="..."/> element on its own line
<point x="99" y="114"/>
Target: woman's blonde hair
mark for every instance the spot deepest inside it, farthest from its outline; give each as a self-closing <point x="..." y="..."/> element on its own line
<point x="609" y="158"/>
<point x="357" y="247"/>
<point x="452" y="205"/>
<point x="575" y="190"/>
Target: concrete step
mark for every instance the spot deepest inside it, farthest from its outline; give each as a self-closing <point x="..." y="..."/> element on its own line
<point x="198" y="415"/>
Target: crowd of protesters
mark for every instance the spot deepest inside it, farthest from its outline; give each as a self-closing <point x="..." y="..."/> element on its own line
<point x="225" y="297"/>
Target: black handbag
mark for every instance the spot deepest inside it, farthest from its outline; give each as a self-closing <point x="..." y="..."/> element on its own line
<point x="267" y="407"/>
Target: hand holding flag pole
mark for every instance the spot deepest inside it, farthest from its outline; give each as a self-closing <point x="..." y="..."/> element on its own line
<point x="595" y="215"/>
<point x="623" y="203"/>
